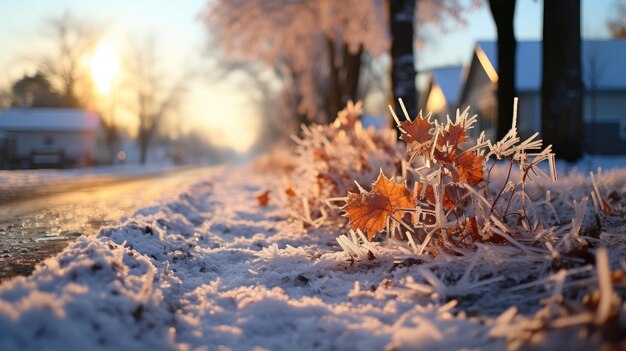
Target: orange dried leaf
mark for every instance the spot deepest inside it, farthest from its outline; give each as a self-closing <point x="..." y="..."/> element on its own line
<point x="429" y="196"/>
<point x="263" y="198"/>
<point x="453" y="136"/>
<point x="290" y="192"/>
<point x="473" y="228"/>
<point x="369" y="211"/>
<point x="417" y="131"/>
<point x="470" y="167"/>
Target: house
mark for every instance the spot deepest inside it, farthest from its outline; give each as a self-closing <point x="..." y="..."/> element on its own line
<point x="604" y="77"/>
<point x="49" y="137"/>
<point x="442" y="92"/>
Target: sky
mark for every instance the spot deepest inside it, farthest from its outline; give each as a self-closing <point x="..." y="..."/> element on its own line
<point x="219" y="108"/>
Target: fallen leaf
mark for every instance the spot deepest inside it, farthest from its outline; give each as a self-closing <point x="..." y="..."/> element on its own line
<point x="263" y="198"/>
<point x="368" y="211"/>
<point x="290" y="192"/>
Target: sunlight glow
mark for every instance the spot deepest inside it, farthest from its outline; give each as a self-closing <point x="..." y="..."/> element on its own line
<point x="104" y="67"/>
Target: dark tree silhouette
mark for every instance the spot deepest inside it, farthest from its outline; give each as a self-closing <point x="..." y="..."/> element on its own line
<point x="562" y="87"/>
<point x="503" y="12"/>
<point x="35" y="91"/>
<point x="401" y="23"/>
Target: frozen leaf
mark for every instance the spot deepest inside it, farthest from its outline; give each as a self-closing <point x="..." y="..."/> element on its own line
<point x="417" y="131"/>
<point x="263" y="198"/>
<point x="290" y="192"/>
<point x="368" y="211"/>
<point x="472" y="227"/>
<point x="454" y="136"/>
<point x="470" y="168"/>
<point x="429" y="196"/>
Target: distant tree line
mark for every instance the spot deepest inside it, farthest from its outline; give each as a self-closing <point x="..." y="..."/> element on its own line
<point x="63" y="80"/>
<point x="37" y="91"/>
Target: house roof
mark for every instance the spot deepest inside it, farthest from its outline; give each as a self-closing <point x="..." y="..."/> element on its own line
<point x="49" y="119"/>
<point x="601" y="60"/>
<point x="449" y="80"/>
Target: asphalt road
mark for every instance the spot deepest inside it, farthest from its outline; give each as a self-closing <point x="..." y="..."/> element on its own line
<point x="40" y="223"/>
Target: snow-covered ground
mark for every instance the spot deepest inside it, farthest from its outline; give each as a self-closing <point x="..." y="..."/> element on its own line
<point x="214" y="270"/>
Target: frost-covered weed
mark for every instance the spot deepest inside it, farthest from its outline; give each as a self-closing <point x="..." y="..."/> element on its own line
<point x="444" y="198"/>
<point x="330" y="158"/>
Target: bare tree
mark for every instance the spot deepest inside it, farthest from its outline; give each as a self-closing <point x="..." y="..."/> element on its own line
<point x="314" y="48"/>
<point x="562" y="87"/>
<point x="503" y="12"/>
<point x="617" y="25"/>
<point x="154" y="99"/>
<point x="73" y="40"/>
<point x="317" y="49"/>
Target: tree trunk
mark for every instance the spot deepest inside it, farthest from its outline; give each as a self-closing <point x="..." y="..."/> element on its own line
<point x="143" y="151"/>
<point x="352" y="74"/>
<point x="562" y="87"/>
<point x="344" y="73"/>
<point x="334" y="93"/>
<point x="503" y="12"/>
<point x="401" y="21"/>
<point x="111" y="139"/>
<point x="143" y="138"/>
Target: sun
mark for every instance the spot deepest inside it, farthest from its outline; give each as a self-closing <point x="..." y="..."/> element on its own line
<point x="104" y="67"/>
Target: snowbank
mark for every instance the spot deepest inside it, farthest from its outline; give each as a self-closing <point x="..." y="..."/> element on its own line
<point x="214" y="270"/>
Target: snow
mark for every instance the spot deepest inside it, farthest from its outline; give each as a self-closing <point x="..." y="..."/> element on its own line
<point x="212" y="269"/>
<point x="602" y="61"/>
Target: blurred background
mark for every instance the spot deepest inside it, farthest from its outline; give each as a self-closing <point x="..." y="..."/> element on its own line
<point x="200" y="82"/>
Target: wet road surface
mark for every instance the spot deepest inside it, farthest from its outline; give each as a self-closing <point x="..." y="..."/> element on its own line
<point x="46" y="222"/>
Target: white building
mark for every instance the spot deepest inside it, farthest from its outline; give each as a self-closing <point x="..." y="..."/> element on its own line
<point x="604" y="78"/>
<point x="49" y="137"/>
<point x="442" y="92"/>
